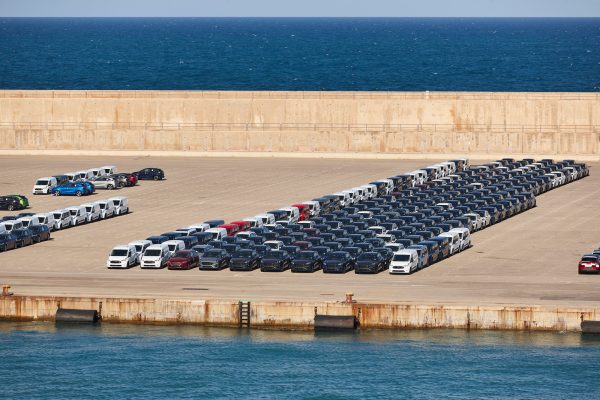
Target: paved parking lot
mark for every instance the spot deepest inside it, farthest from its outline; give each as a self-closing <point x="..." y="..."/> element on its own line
<point x="528" y="259"/>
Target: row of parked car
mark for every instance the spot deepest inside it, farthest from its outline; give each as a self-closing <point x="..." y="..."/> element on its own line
<point x="85" y="182"/>
<point x="28" y="228"/>
<point x="590" y="263"/>
<point x="400" y="224"/>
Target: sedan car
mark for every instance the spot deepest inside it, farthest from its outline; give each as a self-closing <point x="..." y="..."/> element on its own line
<point x="214" y="259"/>
<point x="370" y="263"/>
<point x="276" y="261"/>
<point x="184" y="259"/>
<point x="338" y="262"/>
<point x="245" y="260"/>
<point x="307" y="261"/>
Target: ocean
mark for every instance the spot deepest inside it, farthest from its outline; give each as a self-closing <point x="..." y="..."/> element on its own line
<point x="366" y="54"/>
<point x="40" y="360"/>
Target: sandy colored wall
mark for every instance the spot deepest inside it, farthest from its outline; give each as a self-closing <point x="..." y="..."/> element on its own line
<point x="300" y="315"/>
<point x="557" y="124"/>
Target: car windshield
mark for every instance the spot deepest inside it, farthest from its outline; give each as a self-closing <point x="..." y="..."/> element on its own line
<point x="138" y="248"/>
<point x="213" y="253"/>
<point x="42" y="182"/>
<point x="306" y="255"/>
<point x="172" y="247"/>
<point x="401" y="257"/>
<point x="589" y="259"/>
<point x="152" y="253"/>
<point x="368" y="256"/>
<point x="244" y="253"/>
<point x="73" y="212"/>
<point x="57" y="215"/>
<point x="182" y="254"/>
<point x="41" y="220"/>
<point x="119" y="253"/>
<point x="102" y="206"/>
<point x="275" y="254"/>
<point x="336" y="256"/>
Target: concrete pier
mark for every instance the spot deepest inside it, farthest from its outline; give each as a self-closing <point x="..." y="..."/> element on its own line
<point x="300" y="315"/>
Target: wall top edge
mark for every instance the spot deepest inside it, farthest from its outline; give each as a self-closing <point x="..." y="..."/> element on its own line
<point x="173" y="94"/>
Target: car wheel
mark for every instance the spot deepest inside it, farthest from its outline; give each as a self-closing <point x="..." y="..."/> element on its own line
<point x="78" y="193"/>
<point x="10" y="207"/>
<point x="110" y="187"/>
<point x="155" y="178"/>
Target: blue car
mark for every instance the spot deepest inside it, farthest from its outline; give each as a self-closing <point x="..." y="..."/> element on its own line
<point x="156" y="174"/>
<point x="24" y="237"/>
<point x="89" y="186"/>
<point x="70" y="189"/>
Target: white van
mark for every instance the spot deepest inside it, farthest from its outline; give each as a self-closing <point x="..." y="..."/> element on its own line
<point x="85" y="174"/>
<point x="78" y="215"/>
<point x="122" y="256"/>
<point x="371" y="190"/>
<point x="107" y="208"/>
<point x="48" y="220"/>
<point x="109" y="169"/>
<point x="121" y="204"/>
<point x="405" y="261"/>
<point x="343" y="197"/>
<point x="217" y="233"/>
<point x="98" y="172"/>
<point x="93" y="211"/>
<point x="155" y="256"/>
<point x="314" y="207"/>
<point x="465" y="237"/>
<point x="28" y="222"/>
<point x="71" y="176"/>
<point x="293" y="214"/>
<point x="175" y="246"/>
<point x="274" y="244"/>
<point x="2" y="229"/>
<point x="62" y="218"/>
<point x="10" y="225"/>
<point x="140" y="246"/>
<point x="255" y="222"/>
<point x="202" y="227"/>
<point x="44" y="185"/>
<point x="455" y="242"/>
<point x="267" y="218"/>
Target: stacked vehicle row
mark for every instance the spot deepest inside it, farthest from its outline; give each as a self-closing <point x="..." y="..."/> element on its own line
<point x="85" y="182"/>
<point x="402" y="223"/>
<point x="28" y="228"/>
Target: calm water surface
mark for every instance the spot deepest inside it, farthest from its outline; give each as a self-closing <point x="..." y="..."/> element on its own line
<point x="301" y="54"/>
<point x="45" y="361"/>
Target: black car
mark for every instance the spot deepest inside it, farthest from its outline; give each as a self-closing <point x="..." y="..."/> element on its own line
<point x="202" y="248"/>
<point x="158" y="239"/>
<point x="155" y="174"/>
<point x="24" y="236"/>
<point x="10" y="203"/>
<point x="307" y="261"/>
<point x="214" y="259"/>
<point x="7" y="241"/>
<point x="338" y="262"/>
<point x="40" y="233"/>
<point x="369" y="263"/>
<point x="276" y="261"/>
<point x="245" y="260"/>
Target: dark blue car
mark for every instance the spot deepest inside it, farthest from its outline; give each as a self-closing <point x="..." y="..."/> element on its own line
<point x="7" y="241"/>
<point x="24" y="237"/>
<point x="155" y="174"/>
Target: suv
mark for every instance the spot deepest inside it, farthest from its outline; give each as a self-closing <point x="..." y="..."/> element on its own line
<point x="156" y="174"/>
<point x="106" y="182"/>
<point x="70" y="189"/>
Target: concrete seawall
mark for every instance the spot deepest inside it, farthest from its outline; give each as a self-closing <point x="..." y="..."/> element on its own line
<point x="482" y="125"/>
<point x="300" y="315"/>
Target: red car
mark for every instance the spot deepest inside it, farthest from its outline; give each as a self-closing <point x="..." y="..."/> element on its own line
<point x="590" y="263"/>
<point x="231" y="229"/>
<point x="244" y="225"/>
<point x="184" y="259"/>
<point x="304" y="211"/>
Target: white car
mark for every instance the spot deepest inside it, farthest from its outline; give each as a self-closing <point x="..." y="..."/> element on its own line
<point x="455" y="242"/>
<point x="122" y="256"/>
<point x="217" y="233"/>
<point x="379" y="230"/>
<point x="107" y="208"/>
<point x="105" y="182"/>
<point x="175" y="246"/>
<point x="155" y="256"/>
<point x="78" y="215"/>
<point x="274" y="244"/>
<point x="109" y="169"/>
<point x="62" y="218"/>
<point x="10" y="225"/>
<point x="245" y="234"/>
<point x="44" y="185"/>
<point x="121" y="204"/>
<point x="465" y="237"/>
<point x="314" y="207"/>
<point x="476" y="222"/>
<point x="140" y="246"/>
<point x="93" y="211"/>
<point x="71" y="176"/>
<point x="293" y="213"/>
<point x="405" y="261"/>
<point x="84" y="174"/>
<point x="255" y="222"/>
<point x="267" y="218"/>
<point x="395" y="247"/>
<point x="307" y="224"/>
<point x="48" y="220"/>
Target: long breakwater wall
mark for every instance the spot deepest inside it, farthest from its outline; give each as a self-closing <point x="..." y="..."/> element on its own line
<point x="300" y="315"/>
<point x="406" y="124"/>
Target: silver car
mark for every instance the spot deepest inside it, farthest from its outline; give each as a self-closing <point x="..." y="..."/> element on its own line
<point x="105" y="182"/>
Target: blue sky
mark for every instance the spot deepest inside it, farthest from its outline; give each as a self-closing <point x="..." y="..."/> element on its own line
<point x="300" y="8"/>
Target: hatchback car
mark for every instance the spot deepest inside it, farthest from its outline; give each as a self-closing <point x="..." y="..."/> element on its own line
<point x="155" y="174"/>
